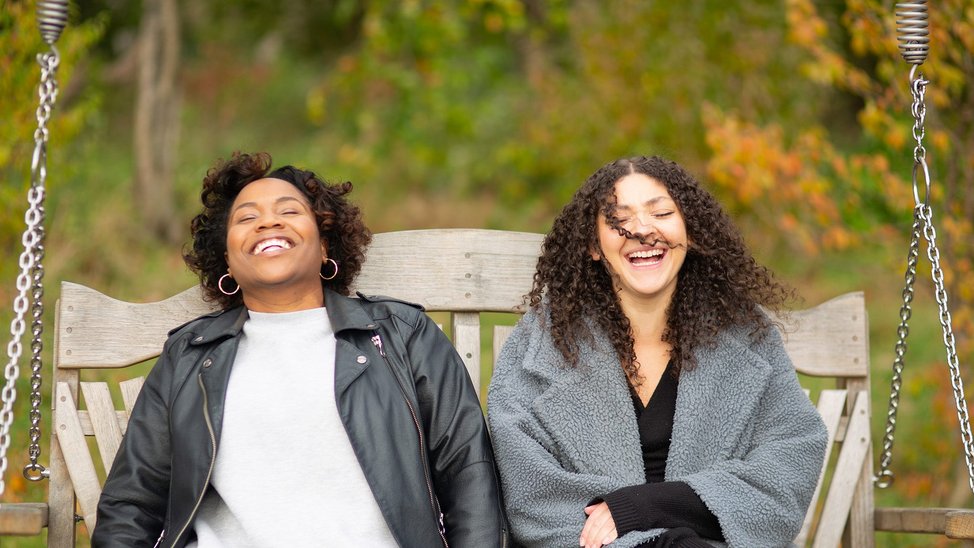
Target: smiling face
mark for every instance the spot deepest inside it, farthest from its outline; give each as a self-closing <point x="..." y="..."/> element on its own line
<point x="645" y="271"/>
<point x="274" y="249"/>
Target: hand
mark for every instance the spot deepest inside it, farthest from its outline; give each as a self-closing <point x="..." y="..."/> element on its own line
<point x="600" y="528"/>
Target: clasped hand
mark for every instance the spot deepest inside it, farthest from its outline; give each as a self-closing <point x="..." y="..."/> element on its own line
<point x="599" y="529"/>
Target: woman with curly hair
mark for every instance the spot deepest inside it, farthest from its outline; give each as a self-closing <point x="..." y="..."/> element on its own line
<point x="645" y="399"/>
<point x="296" y="415"/>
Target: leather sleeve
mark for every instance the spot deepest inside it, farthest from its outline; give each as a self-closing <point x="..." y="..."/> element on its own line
<point x="459" y="448"/>
<point x="132" y="507"/>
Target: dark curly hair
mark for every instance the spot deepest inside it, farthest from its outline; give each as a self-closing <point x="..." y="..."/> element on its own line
<point x="339" y="222"/>
<point x="719" y="285"/>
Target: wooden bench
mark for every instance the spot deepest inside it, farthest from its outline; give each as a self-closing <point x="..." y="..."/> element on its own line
<point x="462" y="273"/>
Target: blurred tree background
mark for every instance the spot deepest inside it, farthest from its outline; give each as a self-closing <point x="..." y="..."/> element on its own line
<point x="490" y="113"/>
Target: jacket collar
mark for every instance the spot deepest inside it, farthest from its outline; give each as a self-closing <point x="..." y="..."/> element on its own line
<point x="343" y="312"/>
<point x="346" y="312"/>
<point x="226" y="324"/>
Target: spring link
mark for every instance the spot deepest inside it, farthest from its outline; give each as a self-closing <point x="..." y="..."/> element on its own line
<point x="52" y="17"/>
<point x="912" y="33"/>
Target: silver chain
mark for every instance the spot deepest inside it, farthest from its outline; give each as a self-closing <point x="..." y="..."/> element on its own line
<point x="30" y="280"/>
<point x="885" y="476"/>
<point x="923" y="221"/>
<point x="956" y="382"/>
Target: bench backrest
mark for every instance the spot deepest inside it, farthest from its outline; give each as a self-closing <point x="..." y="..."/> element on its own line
<point x="457" y="271"/>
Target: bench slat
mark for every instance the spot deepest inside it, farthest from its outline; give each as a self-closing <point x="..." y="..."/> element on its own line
<point x="22" y="518"/>
<point x="80" y="466"/>
<point x="130" y="393"/>
<point x="830" y="407"/>
<point x="104" y="420"/>
<point x="466" y="339"/>
<point x="843" y="485"/>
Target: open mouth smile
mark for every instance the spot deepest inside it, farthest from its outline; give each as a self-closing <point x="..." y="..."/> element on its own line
<point x="646" y="257"/>
<point x="271" y="245"/>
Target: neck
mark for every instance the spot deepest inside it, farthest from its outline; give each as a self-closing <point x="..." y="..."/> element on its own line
<point x="647" y="318"/>
<point x="283" y="301"/>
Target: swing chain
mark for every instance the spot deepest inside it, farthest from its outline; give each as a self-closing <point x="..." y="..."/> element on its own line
<point x="30" y="279"/>
<point x="956" y="381"/>
<point x="48" y="96"/>
<point x="885" y="476"/>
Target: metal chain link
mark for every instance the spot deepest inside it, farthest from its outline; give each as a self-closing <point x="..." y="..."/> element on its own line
<point x="30" y="279"/>
<point x="884" y="478"/>
<point x="923" y="221"/>
<point x="47" y="93"/>
<point x="956" y="381"/>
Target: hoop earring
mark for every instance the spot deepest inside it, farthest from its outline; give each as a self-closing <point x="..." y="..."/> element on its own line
<point x="219" y="285"/>
<point x="332" y="277"/>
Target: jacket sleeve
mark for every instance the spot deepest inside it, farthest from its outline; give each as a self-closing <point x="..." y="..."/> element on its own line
<point x="132" y="507"/>
<point x="777" y="476"/>
<point x="545" y="501"/>
<point x="460" y="454"/>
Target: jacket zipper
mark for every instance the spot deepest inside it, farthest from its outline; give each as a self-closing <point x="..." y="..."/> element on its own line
<point x="209" y="427"/>
<point x="441" y="528"/>
<point x="159" y="540"/>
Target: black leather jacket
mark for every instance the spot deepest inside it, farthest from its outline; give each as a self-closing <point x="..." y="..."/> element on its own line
<point x="428" y="461"/>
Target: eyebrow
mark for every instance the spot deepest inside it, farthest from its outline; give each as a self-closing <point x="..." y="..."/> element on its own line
<point x="277" y="201"/>
<point x="650" y="202"/>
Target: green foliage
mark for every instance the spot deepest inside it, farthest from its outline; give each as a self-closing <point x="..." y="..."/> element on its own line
<point x="19" y="76"/>
<point x="491" y="113"/>
<point x="829" y="188"/>
<point x="501" y="99"/>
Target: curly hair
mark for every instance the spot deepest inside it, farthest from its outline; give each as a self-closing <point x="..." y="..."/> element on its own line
<point x="719" y="285"/>
<point x="339" y="222"/>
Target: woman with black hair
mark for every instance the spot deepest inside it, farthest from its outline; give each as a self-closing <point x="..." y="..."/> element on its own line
<point x="645" y="399"/>
<point x="296" y="415"/>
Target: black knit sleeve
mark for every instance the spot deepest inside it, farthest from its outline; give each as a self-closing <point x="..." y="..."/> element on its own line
<point x="668" y="504"/>
<point x="682" y="537"/>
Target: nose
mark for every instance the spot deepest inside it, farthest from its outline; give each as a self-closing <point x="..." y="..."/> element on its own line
<point x="643" y="223"/>
<point x="269" y="220"/>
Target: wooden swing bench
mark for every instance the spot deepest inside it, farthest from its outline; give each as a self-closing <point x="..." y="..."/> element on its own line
<point x="461" y="272"/>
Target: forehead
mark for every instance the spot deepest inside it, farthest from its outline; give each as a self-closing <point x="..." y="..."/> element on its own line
<point x="268" y="190"/>
<point x="637" y="189"/>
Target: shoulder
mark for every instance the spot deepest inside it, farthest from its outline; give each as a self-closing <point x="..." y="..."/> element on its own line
<point x="382" y="307"/>
<point x="198" y="324"/>
<point x="757" y="343"/>
<point x="385" y="300"/>
<point x="530" y="349"/>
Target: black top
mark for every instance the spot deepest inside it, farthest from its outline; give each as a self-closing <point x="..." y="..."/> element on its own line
<point x="657" y="503"/>
<point x="655" y="422"/>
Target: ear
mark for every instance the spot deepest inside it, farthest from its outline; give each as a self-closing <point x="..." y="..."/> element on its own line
<point x="595" y="254"/>
<point x="324" y="249"/>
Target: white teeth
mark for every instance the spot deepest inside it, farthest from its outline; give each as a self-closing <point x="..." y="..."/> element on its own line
<point x="645" y="254"/>
<point x="271" y="243"/>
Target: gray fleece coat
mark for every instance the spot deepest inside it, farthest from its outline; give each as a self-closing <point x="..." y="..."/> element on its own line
<point x="746" y="438"/>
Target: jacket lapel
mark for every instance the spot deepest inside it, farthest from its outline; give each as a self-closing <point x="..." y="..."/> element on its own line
<point x="715" y="402"/>
<point x="587" y="409"/>
<point x="348" y="319"/>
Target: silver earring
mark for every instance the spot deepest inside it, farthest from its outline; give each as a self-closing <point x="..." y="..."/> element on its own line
<point x="219" y="285"/>
<point x="332" y="277"/>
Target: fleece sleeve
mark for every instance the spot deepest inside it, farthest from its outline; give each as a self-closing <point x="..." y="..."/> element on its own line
<point x="777" y="476"/>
